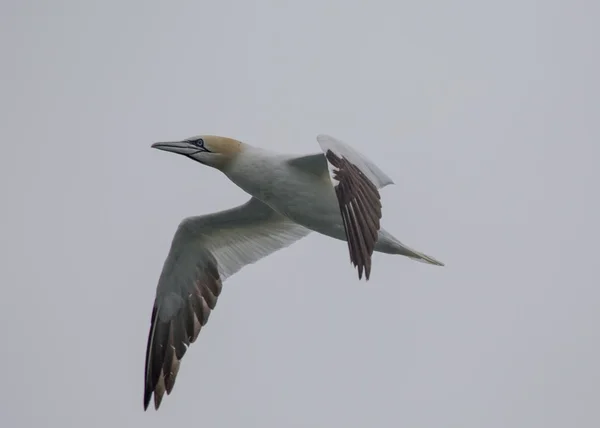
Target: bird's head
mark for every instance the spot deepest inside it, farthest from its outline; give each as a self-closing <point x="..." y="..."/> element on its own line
<point x="211" y="150"/>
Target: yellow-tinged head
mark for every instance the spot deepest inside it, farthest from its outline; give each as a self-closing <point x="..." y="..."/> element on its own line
<point x="211" y="150"/>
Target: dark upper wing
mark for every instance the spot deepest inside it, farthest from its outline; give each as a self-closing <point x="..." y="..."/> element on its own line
<point x="356" y="182"/>
<point x="169" y="337"/>
<point x="204" y="252"/>
<point x="360" y="206"/>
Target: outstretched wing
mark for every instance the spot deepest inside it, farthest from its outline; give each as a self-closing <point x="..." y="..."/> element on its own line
<point x="356" y="181"/>
<point x="204" y="252"/>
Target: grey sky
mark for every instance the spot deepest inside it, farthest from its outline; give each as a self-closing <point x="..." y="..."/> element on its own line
<point x="484" y="113"/>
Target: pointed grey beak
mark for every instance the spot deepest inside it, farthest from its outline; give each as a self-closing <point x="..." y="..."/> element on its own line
<point x="180" y="147"/>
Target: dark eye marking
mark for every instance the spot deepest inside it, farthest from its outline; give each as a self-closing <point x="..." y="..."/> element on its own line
<point x="199" y="142"/>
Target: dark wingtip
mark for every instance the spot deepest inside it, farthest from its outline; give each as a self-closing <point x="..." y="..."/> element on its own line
<point x="148" y="387"/>
<point x="147" y="397"/>
<point x="168" y="341"/>
<point x="360" y="206"/>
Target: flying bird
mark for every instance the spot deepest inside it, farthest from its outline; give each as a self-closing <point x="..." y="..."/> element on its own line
<point x="334" y="192"/>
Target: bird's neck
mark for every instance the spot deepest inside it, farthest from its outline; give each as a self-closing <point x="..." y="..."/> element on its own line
<point x="252" y="168"/>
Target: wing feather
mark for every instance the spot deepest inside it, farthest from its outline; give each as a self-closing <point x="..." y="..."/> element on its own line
<point x="205" y="251"/>
<point x="356" y="181"/>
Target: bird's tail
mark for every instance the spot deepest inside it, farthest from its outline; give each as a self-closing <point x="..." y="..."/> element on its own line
<point x="418" y="256"/>
<point x="391" y="245"/>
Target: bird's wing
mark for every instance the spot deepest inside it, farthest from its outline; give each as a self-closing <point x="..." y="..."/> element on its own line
<point x="379" y="178"/>
<point x="316" y="163"/>
<point x="356" y="181"/>
<point x="204" y="252"/>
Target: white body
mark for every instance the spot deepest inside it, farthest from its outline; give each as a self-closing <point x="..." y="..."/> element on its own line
<point x="299" y="195"/>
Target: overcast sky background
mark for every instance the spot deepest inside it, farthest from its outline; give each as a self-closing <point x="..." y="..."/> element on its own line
<point x="486" y="115"/>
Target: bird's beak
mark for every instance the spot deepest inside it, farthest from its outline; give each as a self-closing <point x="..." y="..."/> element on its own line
<point x="181" y="147"/>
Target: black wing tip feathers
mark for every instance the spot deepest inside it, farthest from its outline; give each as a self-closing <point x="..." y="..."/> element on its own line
<point x="360" y="208"/>
<point x="168" y="340"/>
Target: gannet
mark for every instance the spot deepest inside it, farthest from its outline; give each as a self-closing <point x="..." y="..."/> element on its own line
<point x="334" y="192"/>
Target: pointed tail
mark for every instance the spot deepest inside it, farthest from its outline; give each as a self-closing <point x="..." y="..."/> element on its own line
<point x="405" y="250"/>
<point x="420" y="257"/>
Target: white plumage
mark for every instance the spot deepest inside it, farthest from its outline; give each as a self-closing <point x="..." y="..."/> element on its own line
<point x="334" y="193"/>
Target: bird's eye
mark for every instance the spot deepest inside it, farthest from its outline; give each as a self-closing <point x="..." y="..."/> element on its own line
<point x="199" y="142"/>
